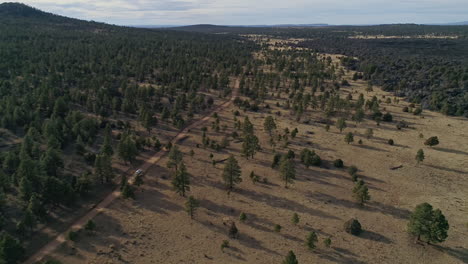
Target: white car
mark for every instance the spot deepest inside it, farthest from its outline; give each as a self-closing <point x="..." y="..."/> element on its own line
<point x="138" y="172"/>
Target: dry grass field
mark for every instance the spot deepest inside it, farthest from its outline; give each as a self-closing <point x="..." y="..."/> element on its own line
<point x="154" y="228"/>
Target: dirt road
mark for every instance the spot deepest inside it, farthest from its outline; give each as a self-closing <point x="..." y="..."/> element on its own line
<point x="52" y="245"/>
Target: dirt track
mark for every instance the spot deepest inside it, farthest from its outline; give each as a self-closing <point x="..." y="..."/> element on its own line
<point x="52" y="245"/>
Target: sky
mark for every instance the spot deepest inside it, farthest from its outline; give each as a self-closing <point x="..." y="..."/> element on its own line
<point x="258" y="12"/>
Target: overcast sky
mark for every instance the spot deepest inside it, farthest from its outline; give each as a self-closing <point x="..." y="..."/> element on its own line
<point x="251" y="12"/>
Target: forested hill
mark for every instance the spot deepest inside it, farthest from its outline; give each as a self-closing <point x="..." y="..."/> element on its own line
<point x="74" y="92"/>
<point x="427" y="64"/>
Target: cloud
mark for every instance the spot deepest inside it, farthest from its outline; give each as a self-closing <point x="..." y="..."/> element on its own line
<point x="248" y="12"/>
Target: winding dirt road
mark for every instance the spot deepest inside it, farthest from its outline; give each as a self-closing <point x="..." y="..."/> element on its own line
<point x="52" y="245"/>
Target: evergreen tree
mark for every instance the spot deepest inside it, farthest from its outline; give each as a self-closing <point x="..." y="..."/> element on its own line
<point x="181" y="181"/>
<point x="295" y="219"/>
<point x="311" y="240"/>
<point x="36" y="207"/>
<point x="233" y="231"/>
<point x="349" y="137"/>
<point x="287" y="170"/>
<point x="341" y="124"/>
<point x="127" y="149"/>
<point x="25" y="189"/>
<point x="327" y="242"/>
<point x="11" y="250"/>
<point x="429" y="224"/>
<point x="175" y="157"/>
<point x="231" y="173"/>
<point x="106" y="147"/>
<point x="361" y="192"/>
<point x="369" y="133"/>
<point x="290" y="258"/>
<point x="191" y="206"/>
<point x="420" y="156"/>
<point x="269" y="125"/>
<point x="250" y="146"/>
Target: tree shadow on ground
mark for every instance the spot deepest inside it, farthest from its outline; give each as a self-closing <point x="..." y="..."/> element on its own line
<point x="454" y="151"/>
<point x="375" y="237"/>
<point x="342" y="256"/>
<point x="283" y="203"/>
<point x="371" y="148"/>
<point x="459" y="253"/>
<point x="371" y="206"/>
<point x="447" y="169"/>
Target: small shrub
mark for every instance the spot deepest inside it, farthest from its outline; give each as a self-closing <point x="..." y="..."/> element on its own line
<point x="90" y="225"/>
<point x="242" y="217"/>
<point x="72" y="235"/>
<point x="391" y="142"/>
<point x="338" y="163"/>
<point x="405" y="109"/>
<point x="128" y="192"/>
<point x="224" y="244"/>
<point x="352" y="170"/>
<point x="360" y="142"/>
<point x="417" y="111"/>
<point x="233" y="231"/>
<point x="353" y="227"/>
<point x="387" y="117"/>
<point x="295" y="219"/>
<point x="327" y="242"/>
<point x="432" y="141"/>
<point x="277" y="228"/>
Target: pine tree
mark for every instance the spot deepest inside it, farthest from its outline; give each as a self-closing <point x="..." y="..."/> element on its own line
<point x="149" y="120"/>
<point x="290" y="258"/>
<point x="341" y="124"/>
<point x="25" y="188"/>
<point x="428" y="224"/>
<point x="11" y="250"/>
<point x="269" y="125"/>
<point x="250" y="145"/>
<point x="231" y="173"/>
<point x="369" y="133"/>
<point x="295" y="219"/>
<point x="349" y="137"/>
<point x="311" y="240"/>
<point x="287" y="170"/>
<point x="36" y="207"/>
<point x="420" y="156"/>
<point x="181" y="181"/>
<point x="327" y="242"/>
<point x="191" y="206"/>
<point x="361" y="192"/>
<point x="233" y="231"/>
<point x="127" y="149"/>
<point x="106" y="147"/>
<point x="175" y="157"/>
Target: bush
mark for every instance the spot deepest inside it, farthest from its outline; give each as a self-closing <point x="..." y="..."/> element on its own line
<point x="405" y="109"/>
<point x="338" y="163"/>
<point x="242" y="217"/>
<point x="327" y="242"/>
<point x="90" y="225"/>
<point x="233" y="231"/>
<point x="224" y="245"/>
<point x="417" y="111"/>
<point x="353" y="227"/>
<point x="352" y="170"/>
<point x="391" y="142"/>
<point x="387" y="117"/>
<point x="72" y="235"/>
<point x="432" y="141"/>
<point x="277" y="228"/>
